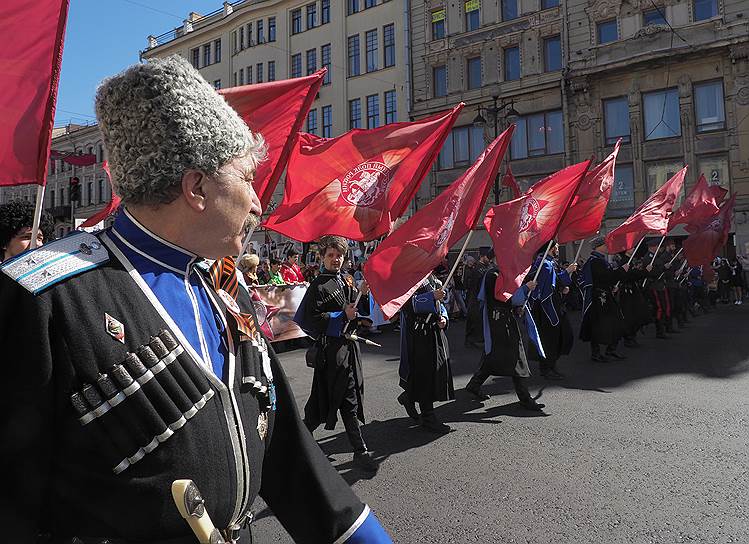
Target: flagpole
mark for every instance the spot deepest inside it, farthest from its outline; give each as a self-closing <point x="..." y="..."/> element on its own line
<point x="579" y="249"/>
<point x="654" y="256"/>
<point x="631" y="257"/>
<point x="37" y="215"/>
<point x="460" y="256"/>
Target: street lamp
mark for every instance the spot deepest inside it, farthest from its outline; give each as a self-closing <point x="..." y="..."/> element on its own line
<point x="493" y="112"/>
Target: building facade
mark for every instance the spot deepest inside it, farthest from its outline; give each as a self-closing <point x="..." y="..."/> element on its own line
<point x="95" y="190"/>
<point x="669" y="78"/>
<point x="362" y="43"/>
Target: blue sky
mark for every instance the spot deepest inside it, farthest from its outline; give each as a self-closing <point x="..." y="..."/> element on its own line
<point x="105" y="36"/>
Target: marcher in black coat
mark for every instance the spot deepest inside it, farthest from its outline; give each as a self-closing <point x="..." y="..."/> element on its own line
<point x="632" y="300"/>
<point x="425" y="373"/>
<point x="603" y="322"/>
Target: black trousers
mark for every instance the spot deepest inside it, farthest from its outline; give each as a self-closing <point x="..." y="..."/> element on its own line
<point x="596" y="348"/>
<point x="520" y="383"/>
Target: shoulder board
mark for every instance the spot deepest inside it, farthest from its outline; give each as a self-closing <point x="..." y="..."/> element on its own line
<point x="56" y="261"/>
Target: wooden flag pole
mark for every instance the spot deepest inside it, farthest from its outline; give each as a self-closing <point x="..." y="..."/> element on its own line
<point x="37" y="215"/>
<point x="631" y="257"/>
<point x="460" y="256"/>
<point x="538" y="271"/>
<point x="653" y="259"/>
<point x="579" y="249"/>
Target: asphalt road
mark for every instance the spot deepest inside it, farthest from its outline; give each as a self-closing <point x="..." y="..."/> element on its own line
<point x="654" y="449"/>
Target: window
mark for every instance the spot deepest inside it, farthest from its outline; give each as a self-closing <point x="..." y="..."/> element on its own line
<point x="259" y="72"/>
<point x="371" y="45"/>
<point x="607" y="31"/>
<point x="659" y="173"/>
<point x="217" y="50"/>
<point x="662" y="114"/>
<point x="709" y="109"/>
<point x="439" y="79"/>
<point x="462" y="146"/>
<point x="353" y="56"/>
<point x="552" y="54"/>
<point x="206" y="54"/>
<point x="249" y="74"/>
<point x="101" y="190"/>
<point x="472" y="15"/>
<point x="353" y="6"/>
<point x="241" y="76"/>
<point x="510" y="10"/>
<point x="312" y="121"/>
<point x="271" y="70"/>
<point x="715" y="170"/>
<point x="512" y="63"/>
<point x="249" y="35"/>
<point x="473" y="72"/>
<point x="438" y="24"/>
<point x="241" y="37"/>
<point x="296" y="65"/>
<point x="91" y="194"/>
<point x="705" y="9"/>
<point x="622" y="201"/>
<point x="311" y="15"/>
<point x="52" y="197"/>
<point x="271" y="29"/>
<point x="311" y="61"/>
<point x="354" y="113"/>
<point x="234" y="41"/>
<point x="327" y="121"/>
<point x="217" y="84"/>
<point x="538" y="134"/>
<point x="324" y="12"/>
<point x="195" y="57"/>
<point x="388" y="44"/>
<point x="235" y="79"/>
<point x="616" y="120"/>
<point x="100" y="148"/>
<point x="296" y="21"/>
<point x="653" y="17"/>
<point x="390" y="107"/>
<point x="546" y="4"/>
<point x="373" y="111"/>
<point x="325" y="60"/>
<point x="369" y="4"/>
<point x="260" y="31"/>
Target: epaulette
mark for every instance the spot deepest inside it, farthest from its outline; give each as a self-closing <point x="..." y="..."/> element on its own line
<point x="56" y="261"/>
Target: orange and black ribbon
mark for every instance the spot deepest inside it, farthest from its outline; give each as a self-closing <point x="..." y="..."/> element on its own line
<point x="224" y="277"/>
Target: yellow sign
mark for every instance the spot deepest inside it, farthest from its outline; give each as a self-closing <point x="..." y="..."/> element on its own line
<point x="438" y="15"/>
<point x="472" y="5"/>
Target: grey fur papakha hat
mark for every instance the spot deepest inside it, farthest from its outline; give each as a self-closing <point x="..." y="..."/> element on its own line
<point x="161" y="118"/>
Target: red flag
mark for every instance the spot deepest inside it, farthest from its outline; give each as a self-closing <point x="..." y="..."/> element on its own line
<point x="400" y="263"/>
<point x="518" y="228"/>
<point x="699" y="205"/>
<point x="71" y="158"/>
<point x="510" y="181"/>
<point x="701" y="247"/>
<point x="109" y="209"/>
<point x="586" y="212"/>
<point x="276" y="110"/>
<point x="31" y="37"/>
<point x="718" y="193"/>
<point x="650" y="218"/>
<point x="356" y="185"/>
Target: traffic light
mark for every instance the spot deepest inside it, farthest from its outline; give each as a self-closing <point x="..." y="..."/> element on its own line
<point x="75" y="189"/>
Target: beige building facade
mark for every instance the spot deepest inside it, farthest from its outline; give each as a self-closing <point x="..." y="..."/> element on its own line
<point x="95" y="190"/>
<point x="670" y="78"/>
<point x="362" y="43"/>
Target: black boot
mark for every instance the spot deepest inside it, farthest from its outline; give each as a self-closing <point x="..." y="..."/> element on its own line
<point x="429" y="420"/>
<point x="362" y="457"/>
<point x="409" y="405"/>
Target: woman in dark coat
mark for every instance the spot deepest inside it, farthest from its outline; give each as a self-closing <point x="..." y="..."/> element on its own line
<point x="425" y="373"/>
<point x="504" y="353"/>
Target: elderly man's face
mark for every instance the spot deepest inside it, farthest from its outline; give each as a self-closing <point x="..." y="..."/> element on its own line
<point x="21" y="242"/>
<point x="234" y="206"/>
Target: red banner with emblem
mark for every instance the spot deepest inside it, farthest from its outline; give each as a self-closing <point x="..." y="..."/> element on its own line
<point x="358" y="184"/>
<point x="275" y="306"/>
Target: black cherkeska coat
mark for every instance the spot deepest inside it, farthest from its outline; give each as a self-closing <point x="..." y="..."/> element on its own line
<point x="338" y="371"/>
<point x="425" y="372"/>
<point x="602" y="321"/>
<point x="57" y="473"/>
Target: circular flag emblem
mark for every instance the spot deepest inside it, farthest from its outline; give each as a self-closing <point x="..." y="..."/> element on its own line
<point x="528" y="214"/>
<point x="366" y="184"/>
<point x="229" y="301"/>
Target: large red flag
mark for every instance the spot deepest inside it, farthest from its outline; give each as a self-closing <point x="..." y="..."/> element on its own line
<point x="109" y="209"/>
<point x="31" y="37"/>
<point x="358" y="184"/>
<point x="699" y="205"/>
<point x="701" y="247"/>
<point x="509" y="181"/>
<point x="588" y="207"/>
<point x="520" y="227"/>
<point x="650" y="218"/>
<point x="276" y="110"/>
<point x="400" y="263"/>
